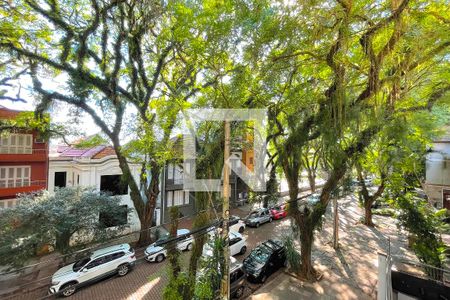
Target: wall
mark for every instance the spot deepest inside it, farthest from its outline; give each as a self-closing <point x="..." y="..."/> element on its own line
<point x="90" y="171"/>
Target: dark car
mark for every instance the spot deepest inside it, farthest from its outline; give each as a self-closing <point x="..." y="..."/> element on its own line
<point x="264" y="260"/>
<point x="237" y="279"/>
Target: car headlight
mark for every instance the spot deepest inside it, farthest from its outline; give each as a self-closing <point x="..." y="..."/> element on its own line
<point x="55" y="282"/>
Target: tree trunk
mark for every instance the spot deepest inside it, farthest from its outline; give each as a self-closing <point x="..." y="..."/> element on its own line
<point x="62" y="242"/>
<point x="306" y="241"/>
<point x="312" y="181"/>
<point x="368" y="213"/>
<point x="145" y="208"/>
<point x="172" y="251"/>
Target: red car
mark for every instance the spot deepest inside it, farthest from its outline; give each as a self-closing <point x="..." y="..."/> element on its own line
<point x="278" y="212"/>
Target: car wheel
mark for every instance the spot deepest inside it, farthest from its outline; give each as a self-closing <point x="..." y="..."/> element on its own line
<point x="263" y="278"/>
<point x="238" y="294"/>
<point x="243" y="250"/>
<point x="159" y="258"/>
<point x="270" y="220"/>
<point x="123" y="269"/>
<point x="69" y="289"/>
<point x="189" y="247"/>
<point x="241" y="229"/>
<point x="257" y="225"/>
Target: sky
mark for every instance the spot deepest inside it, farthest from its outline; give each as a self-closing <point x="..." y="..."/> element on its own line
<point x="59" y="114"/>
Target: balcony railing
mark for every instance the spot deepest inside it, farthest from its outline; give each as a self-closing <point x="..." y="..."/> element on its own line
<point x="17" y="183"/>
<point x="21" y="150"/>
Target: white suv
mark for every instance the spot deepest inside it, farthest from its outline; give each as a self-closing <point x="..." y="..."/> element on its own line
<point x="236" y="224"/>
<point x="101" y="263"/>
<point x="157" y="251"/>
<point x="237" y="244"/>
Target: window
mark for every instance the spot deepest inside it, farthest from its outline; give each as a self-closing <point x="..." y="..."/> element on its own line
<point x="60" y="179"/>
<point x="110" y="219"/>
<point x="186" y="197"/>
<point x="14" y="176"/>
<point x="113" y="184"/>
<point x="234" y="241"/>
<point x="16" y="143"/>
<point x="178" y="175"/>
<point x="177" y="198"/>
<point x="170" y="172"/>
<point x="96" y="262"/>
<point x="169" y="198"/>
<point x="117" y="255"/>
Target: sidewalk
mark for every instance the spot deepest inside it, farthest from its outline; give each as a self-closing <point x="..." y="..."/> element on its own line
<point x="351" y="272"/>
<point x="286" y="287"/>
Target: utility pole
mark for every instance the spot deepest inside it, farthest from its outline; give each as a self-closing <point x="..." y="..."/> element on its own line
<point x="225" y="286"/>
<point x="336" y="224"/>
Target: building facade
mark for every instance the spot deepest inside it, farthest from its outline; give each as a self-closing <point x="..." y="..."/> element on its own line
<point x="23" y="161"/>
<point x="96" y="167"/>
<point x="174" y="194"/>
<point x="437" y="183"/>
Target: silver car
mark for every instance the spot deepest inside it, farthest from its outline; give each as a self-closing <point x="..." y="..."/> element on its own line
<point x="258" y="217"/>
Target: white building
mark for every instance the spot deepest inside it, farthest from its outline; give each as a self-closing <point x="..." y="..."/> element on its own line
<point x="95" y="167"/>
<point x="437" y="183"/>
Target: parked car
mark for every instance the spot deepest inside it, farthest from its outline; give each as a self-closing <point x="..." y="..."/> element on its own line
<point x="99" y="264"/>
<point x="313" y="199"/>
<point x="237" y="244"/>
<point x="237" y="279"/>
<point x="278" y="212"/>
<point x="258" y="217"/>
<point x="236" y="224"/>
<point x="157" y="251"/>
<point x="264" y="260"/>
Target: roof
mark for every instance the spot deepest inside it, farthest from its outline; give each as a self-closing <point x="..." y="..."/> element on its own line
<point x="234" y="264"/>
<point x="111" y="249"/>
<point x="96" y="152"/>
<point x="6" y="113"/>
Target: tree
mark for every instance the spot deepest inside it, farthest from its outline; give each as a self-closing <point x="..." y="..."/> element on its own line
<point x="116" y="56"/>
<point x="311" y="158"/>
<point x="417" y="216"/>
<point x="343" y="79"/>
<point x="64" y="221"/>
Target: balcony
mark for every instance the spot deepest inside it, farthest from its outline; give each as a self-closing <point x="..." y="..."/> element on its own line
<point x="27" y="155"/>
<point x="12" y="189"/>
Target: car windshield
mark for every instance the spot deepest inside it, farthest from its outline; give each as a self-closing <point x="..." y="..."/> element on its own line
<point x="260" y="254"/>
<point x="163" y="237"/>
<point x="254" y="214"/>
<point x="278" y="208"/>
<point x="81" y="263"/>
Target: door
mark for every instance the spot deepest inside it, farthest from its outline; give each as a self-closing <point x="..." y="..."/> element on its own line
<point x="235" y="245"/>
<point x="93" y="270"/>
<point x="446" y="199"/>
<point x="60" y="179"/>
<point x="112" y="261"/>
<point x="266" y="216"/>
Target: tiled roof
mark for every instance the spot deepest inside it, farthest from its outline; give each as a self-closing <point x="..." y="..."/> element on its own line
<point x="107" y="151"/>
<point x="6" y="113"/>
<point x="94" y="152"/>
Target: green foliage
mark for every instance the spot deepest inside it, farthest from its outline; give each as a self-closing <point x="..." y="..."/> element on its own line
<point x="423" y="223"/>
<point x="65" y="221"/>
<point x="28" y="120"/>
<point x="209" y="275"/>
<point x="91" y="141"/>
